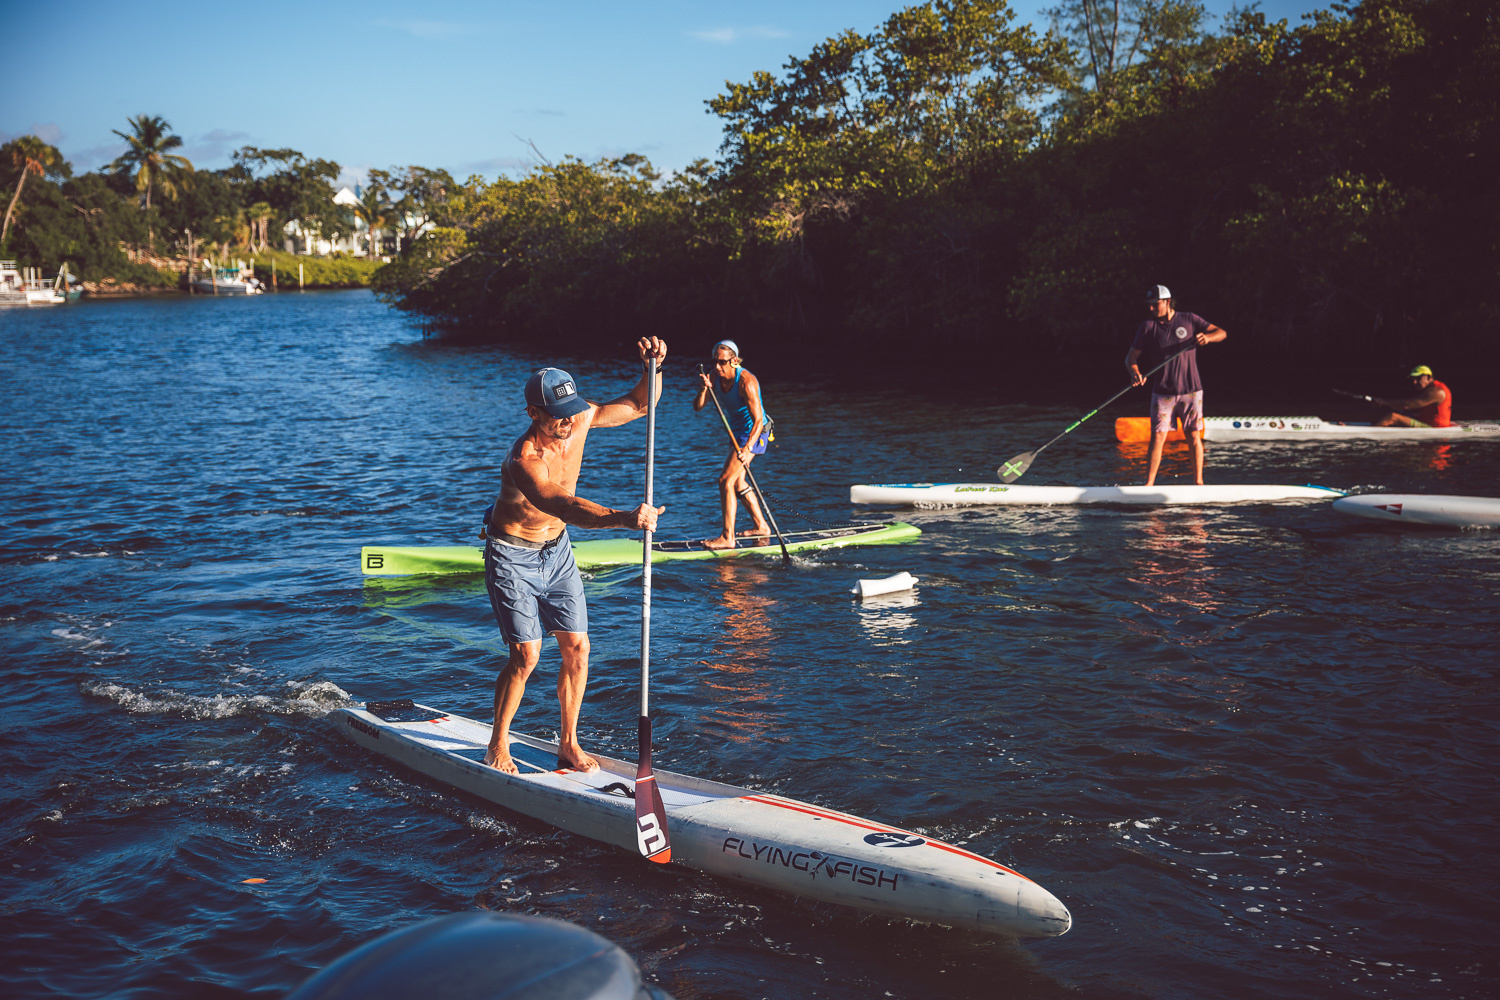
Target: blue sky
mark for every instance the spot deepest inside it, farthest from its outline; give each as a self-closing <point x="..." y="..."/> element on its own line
<point x="464" y="86"/>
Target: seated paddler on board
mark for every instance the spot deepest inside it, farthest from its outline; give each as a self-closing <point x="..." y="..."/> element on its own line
<point x="1429" y="405"/>
<point x="534" y="586"/>
<point x="739" y="399"/>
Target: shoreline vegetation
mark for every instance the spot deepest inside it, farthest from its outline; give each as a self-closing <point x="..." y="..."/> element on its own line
<point x="953" y="186"/>
<point x="947" y="185"/>
<point x="171" y="277"/>
<point x="142" y="223"/>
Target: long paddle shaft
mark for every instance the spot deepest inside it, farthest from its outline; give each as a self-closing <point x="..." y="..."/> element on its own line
<point x="650" y="815"/>
<point x="1355" y="395"/>
<point x="735" y="444"/>
<point x="1016" y="467"/>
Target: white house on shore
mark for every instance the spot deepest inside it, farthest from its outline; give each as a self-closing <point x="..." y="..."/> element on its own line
<point x="356" y="243"/>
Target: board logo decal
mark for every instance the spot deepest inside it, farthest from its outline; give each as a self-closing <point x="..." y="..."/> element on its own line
<point x="363" y="727"/>
<point x="894" y="840"/>
<point x="648" y="835"/>
<point x="814" y="863"/>
<point x="375" y="560"/>
<point x="1394" y="508"/>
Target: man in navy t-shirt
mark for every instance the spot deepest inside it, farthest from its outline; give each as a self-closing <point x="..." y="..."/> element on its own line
<point x="1176" y="390"/>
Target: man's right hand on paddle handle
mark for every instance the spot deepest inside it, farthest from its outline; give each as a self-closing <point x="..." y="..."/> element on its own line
<point x="652" y="347"/>
<point x="1136" y="378"/>
<point x="643" y="518"/>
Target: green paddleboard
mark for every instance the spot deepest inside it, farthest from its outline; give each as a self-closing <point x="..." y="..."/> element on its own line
<point x="426" y="560"/>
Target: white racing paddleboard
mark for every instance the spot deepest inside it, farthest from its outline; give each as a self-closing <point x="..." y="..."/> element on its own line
<point x="997" y="493"/>
<point x="1423" y="508"/>
<point x="1306" y="429"/>
<point x="735" y="833"/>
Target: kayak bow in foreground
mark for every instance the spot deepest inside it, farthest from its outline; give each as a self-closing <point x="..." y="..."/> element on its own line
<point x="1424" y="508"/>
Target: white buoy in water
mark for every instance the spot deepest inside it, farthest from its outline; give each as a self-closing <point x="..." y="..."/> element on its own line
<point x="885" y="585"/>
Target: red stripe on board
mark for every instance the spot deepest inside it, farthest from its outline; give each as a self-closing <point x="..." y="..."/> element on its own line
<point x="867" y="825"/>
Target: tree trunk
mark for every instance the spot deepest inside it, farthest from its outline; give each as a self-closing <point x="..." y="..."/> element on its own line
<point x="13" y="199"/>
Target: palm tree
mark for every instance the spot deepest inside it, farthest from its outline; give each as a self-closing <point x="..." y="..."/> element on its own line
<point x="260" y="221"/>
<point x="29" y="155"/>
<point x="373" y="210"/>
<point x="150" y="158"/>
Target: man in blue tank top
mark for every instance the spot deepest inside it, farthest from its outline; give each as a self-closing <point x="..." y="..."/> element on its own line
<point x="738" y="393"/>
<point x="1176" y="390"/>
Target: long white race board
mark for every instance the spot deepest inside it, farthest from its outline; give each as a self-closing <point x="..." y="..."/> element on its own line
<point x="735" y="833"/>
<point x="1316" y="429"/>
<point x="1307" y="429"/>
<point x="996" y="493"/>
<point x="1424" y="508"/>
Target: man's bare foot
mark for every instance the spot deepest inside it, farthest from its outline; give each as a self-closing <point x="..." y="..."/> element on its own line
<point x="575" y="758"/>
<point x="759" y="531"/>
<point x="722" y="542"/>
<point x="500" y="760"/>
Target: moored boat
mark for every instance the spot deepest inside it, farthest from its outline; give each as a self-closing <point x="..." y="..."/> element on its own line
<point x="1305" y="429"/>
<point x="238" y="280"/>
<point x="27" y="287"/>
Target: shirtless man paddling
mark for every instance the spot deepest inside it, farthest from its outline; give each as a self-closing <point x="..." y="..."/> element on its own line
<point x="1430" y="406"/>
<point x="529" y="572"/>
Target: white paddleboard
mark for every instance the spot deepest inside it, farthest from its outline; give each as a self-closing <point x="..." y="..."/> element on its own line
<point x="996" y="493"/>
<point x="1423" y="508"/>
<point x="1307" y="429"/>
<point x="735" y="833"/>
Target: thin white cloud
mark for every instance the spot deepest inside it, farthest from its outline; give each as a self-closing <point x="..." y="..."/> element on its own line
<point x="427" y="29"/>
<point x="49" y="132"/>
<point x="95" y="157"/>
<point x="498" y="164"/>
<point x="213" y="146"/>
<point x="728" y="36"/>
<point x="351" y="175"/>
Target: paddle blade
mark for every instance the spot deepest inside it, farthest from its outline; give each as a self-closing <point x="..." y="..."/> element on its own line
<point x="650" y="813"/>
<point x="1015" y="468"/>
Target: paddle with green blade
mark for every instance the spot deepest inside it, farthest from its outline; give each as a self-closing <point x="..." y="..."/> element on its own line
<point x="650" y="813"/>
<point x="734" y="443"/>
<point x="1015" y="468"/>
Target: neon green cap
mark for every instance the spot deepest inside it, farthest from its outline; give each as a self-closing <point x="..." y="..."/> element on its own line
<point x="1420" y="370"/>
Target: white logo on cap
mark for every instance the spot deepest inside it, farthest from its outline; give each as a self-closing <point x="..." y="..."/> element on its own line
<point x="1181" y="333"/>
<point x="562" y="391"/>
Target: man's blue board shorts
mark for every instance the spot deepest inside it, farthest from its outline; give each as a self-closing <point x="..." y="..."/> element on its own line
<point x="534" y="592"/>
<point x="759" y="447"/>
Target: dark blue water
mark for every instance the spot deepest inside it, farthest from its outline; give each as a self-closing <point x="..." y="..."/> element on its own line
<point x="1253" y="748"/>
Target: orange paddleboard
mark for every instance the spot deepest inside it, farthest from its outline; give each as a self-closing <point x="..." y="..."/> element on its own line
<point x="1139" y="429"/>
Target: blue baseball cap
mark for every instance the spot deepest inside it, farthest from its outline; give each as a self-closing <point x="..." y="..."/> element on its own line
<point x="554" y="391"/>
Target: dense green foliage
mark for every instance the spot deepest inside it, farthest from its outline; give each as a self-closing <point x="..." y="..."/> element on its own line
<point x="317" y="272"/>
<point x="955" y="181"/>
